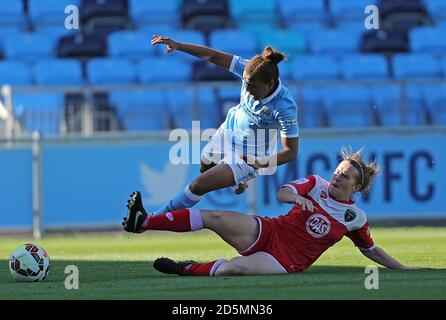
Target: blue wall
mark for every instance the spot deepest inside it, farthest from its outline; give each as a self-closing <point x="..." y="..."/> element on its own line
<point x="89" y="183"/>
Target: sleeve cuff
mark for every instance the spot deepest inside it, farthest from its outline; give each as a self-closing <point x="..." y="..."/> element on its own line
<point x="290" y="186"/>
<point x="232" y="66"/>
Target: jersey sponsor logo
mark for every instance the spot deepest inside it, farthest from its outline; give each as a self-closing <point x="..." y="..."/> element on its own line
<point x="318" y="226"/>
<point x="323" y="195"/>
<point x="349" y="215"/>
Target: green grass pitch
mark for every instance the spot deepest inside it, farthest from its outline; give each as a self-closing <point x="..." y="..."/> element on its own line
<point x="119" y="266"/>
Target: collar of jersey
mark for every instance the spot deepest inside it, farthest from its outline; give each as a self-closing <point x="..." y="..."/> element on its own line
<point x="272" y="95"/>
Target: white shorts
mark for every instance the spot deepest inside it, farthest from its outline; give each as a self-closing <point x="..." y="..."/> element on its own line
<point x="220" y="149"/>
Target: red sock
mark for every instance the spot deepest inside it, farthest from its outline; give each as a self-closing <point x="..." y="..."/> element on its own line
<point x="179" y="221"/>
<point x="203" y="269"/>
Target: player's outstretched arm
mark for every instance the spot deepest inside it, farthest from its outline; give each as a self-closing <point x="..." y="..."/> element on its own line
<point x="380" y="256"/>
<point x="219" y="58"/>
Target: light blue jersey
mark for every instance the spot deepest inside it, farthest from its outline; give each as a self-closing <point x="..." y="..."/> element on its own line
<point x="254" y="124"/>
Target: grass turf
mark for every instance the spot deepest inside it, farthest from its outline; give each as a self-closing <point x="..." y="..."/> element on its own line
<point x="120" y="267"/>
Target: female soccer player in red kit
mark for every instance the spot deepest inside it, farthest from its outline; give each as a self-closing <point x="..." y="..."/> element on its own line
<point x="322" y="215"/>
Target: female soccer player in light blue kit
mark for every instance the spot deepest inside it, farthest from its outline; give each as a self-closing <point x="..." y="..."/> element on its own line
<point x="245" y="144"/>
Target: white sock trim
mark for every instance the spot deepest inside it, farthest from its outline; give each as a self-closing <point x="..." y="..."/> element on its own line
<point x="216" y="265"/>
<point x="192" y="196"/>
<point x="196" y="223"/>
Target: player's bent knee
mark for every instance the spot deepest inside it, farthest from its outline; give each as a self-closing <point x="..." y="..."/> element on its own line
<point x="198" y="187"/>
<point x="231" y="268"/>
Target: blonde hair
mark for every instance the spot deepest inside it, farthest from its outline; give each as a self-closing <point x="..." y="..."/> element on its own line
<point x="367" y="171"/>
<point x="265" y="65"/>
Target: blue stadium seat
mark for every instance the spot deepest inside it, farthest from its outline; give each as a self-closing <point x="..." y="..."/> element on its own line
<point x="29" y="46"/>
<point x="311" y="111"/>
<point x="39" y="111"/>
<point x="298" y="11"/>
<point x="12" y="13"/>
<point x="81" y="46"/>
<point x="338" y="41"/>
<point x="190" y="36"/>
<point x="253" y="11"/>
<point x="92" y="9"/>
<point x="49" y="12"/>
<point x="435" y="97"/>
<point x="206" y="71"/>
<point x="384" y="41"/>
<point x="443" y="66"/>
<point x="288" y="41"/>
<point x="402" y="15"/>
<point x="386" y="99"/>
<point x="164" y="69"/>
<point x="205" y="15"/>
<point x="308" y="29"/>
<point x="210" y="112"/>
<point x="107" y="71"/>
<point x="314" y="67"/>
<point x="141" y="110"/>
<point x="348" y="106"/>
<point x="342" y="10"/>
<point x="155" y="12"/>
<point x="228" y="97"/>
<point x="436" y="9"/>
<point x="364" y="67"/>
<point x="428" y="40"/>
<point x="61" y="72"/>
<point x="130" y="44"/>
<point x="285" y="70"/>
<point x="15" y="73"/>
<point x="56" y="32"/>
<point x="234" y="41"/>
<point x="414" y="111"/>
<point x="410" y="66"/>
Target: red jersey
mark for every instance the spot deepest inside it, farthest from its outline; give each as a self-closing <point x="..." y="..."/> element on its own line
<point x="298" y="238"/>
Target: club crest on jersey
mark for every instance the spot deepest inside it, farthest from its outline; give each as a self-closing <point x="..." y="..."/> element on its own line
<point x="318" y="225"/>
<point x="349" y="215"/>
<point x="323" y="194"/>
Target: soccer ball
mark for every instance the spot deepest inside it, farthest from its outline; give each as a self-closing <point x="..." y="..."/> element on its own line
<point x="29" y="263"/>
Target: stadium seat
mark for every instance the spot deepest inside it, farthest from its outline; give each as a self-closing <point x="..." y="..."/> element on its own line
<point x="234" y="41"/>
<point x="81" y="46"/>
<point x="285" y="70"/>
<point x="428" y="40"/>
<point x="348" y="106"/>
<point x="206" y="71"/>
<point x="108" y="71"/>
<point x="155" y="12"/>
<point x="49" y="12"/>
<point x="410" y="66"/>
<point x="314" y="67"/>
<point x="61" y="72"/>
<point x="228" y="97"/>
<point x="253" y="11"/>
<point x="339" y="41"/>
<point x="205" y="15"/>
<point x="384" y="41"/>
<point x="130" y="44"/>
<point x="12" y="13"/>
<point x="190" y="36"/>
<point x="364" y="67"/>
<point x="56" y="32"/>
<point x="142" y="110"/>
<point x="413" y="108"/>
<point x="311" y="111"/>
<point x="435" y="98"/>
<point x="436" y="9"/>
<point x="39" y="111"/>
<point x="164" y="69"/>
<point x="402" y="15"/>
<point x="15" y="73"/>
<point x="210" y="111"/>
<point x="29" y="46"/>
<point x="308" y="29"/>
<point x="7" y="31"/>
<point x="91" y="9"/>
<point x="386" y="99"/>
<point x="288" y="41"/>
<point x="342" y="10"/>
<point x="298" y="11"/>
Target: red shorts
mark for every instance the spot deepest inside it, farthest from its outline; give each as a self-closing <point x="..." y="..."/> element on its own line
<point x="272" y="241"/>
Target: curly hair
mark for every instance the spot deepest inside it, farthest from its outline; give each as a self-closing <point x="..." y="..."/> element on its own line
<point x="265" y="65"/>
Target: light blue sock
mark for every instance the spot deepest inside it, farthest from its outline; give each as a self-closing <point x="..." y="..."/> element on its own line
<point x="184" y="199"/>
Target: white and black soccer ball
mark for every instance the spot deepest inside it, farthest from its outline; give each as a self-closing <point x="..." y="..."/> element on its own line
<point x="29" y="263"/>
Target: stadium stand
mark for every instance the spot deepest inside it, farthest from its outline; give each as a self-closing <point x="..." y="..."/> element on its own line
<point x="393" y="76"/>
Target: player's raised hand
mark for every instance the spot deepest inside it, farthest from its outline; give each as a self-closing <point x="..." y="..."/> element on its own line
<point x="171" y="45"/>
<point x="304" y="203"/>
